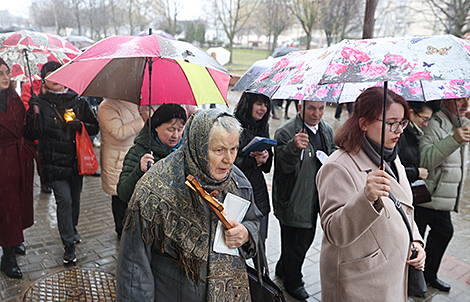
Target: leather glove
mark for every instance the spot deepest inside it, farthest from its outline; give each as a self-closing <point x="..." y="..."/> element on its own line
<point x="75" y="125"/>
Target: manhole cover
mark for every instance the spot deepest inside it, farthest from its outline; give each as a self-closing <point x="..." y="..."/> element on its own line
<point x="75" y="284"/>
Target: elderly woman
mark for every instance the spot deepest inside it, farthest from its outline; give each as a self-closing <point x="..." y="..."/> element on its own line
<point x="16" y="179"/>
<point x="166" y="251"/>
<point x="366" y="246"/>
<point x="167" y="124"/>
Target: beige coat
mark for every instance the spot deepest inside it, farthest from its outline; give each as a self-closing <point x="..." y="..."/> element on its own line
<point x="364" y="250"/>
<point x="120" y="122"/>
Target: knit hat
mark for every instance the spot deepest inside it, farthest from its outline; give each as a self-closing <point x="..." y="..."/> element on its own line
<point x="166" y="113"/>
<point x="48" y="67"/>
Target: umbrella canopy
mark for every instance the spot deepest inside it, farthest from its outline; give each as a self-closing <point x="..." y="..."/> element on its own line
<point x="220" y="54"/>
<point x="255" y="70"/>
<point x="417" y="69"/>
<point x="282" y="51"/>
<point x="116" y="68"/>
<point x="160" y="33"/>
<point x="80" y="41"/>
<point x="18" y="48"/>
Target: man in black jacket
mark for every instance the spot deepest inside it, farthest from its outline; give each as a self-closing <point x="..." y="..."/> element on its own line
<point x="57" y="149"/>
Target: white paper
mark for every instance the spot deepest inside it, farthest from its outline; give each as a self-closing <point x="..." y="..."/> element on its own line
<point x="235" y="207"/>
<point x="322" y="157"/>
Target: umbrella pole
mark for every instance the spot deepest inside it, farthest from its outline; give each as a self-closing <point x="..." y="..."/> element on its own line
<point x="384" y="112"/>
<point x="149" y="60"/>
<point x="303" y="116"/>
<point x="458" y="113"/>
<point x="29" y="70"/>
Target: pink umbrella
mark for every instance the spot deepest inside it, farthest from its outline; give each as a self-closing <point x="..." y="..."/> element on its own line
<point x="117" y="68"/>
<point x="121" y="67"/>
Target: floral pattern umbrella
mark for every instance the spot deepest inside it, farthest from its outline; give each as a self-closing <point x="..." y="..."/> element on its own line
<point x="417" y="68"/>
<point x="39" y="48"/>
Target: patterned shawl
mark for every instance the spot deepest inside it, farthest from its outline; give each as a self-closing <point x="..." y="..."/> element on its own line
<point x="176" y="216"/>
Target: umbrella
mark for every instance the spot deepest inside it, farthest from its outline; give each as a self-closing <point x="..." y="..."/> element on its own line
<point x="121" y="67"/>
<point x="282" y="51"/>
<point x="160" y="33"/>
<point x="220" y="54"/>
<point x="80" y="41"/>
<point x="255" y="70"/>
<point x="411" y="62"/>
<point x="18" y="48"/>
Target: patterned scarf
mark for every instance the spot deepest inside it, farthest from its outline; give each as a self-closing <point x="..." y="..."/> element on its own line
<point x="177" y="218"/>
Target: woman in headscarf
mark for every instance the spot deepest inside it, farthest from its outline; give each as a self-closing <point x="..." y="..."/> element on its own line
<point x="166" y="251"/>
<point x="252" y="111"/>
<point x="366" y="246"/>
<point x="16" y="178"/>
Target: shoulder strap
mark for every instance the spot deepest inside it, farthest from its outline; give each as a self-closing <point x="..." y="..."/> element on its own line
<point x="57" y="112"/>
<point x="403" y="215"/>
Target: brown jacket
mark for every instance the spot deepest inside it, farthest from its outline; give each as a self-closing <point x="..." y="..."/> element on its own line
<point x="364" y="250"/>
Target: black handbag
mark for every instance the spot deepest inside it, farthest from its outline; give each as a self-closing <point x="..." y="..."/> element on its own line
<point x="416" y="282"/>
<point x="262" y="288"/>
<point x="420" y="192"/>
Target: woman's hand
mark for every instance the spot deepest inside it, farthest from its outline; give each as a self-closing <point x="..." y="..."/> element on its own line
<point x="237" y="236"/>
<point x="260" y="156"/>
<point x="419" y="261"/>
<point x="423" y="173"/>
<point x="148" y="157"/>
<point x="377" y="185"/>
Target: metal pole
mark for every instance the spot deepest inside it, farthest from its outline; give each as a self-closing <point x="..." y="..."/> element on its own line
<point x="149" y="60"/>
<point x="458" y="112"/>
<point x="384" y="113"/>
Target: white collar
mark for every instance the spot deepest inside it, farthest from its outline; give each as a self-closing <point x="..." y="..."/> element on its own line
<point x="314" y="129"/>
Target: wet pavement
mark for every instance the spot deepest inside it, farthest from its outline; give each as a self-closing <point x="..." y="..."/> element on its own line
<point x="99" y="247"/>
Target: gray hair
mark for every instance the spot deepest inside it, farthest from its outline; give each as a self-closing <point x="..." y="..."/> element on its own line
<point x="228" y="123"/>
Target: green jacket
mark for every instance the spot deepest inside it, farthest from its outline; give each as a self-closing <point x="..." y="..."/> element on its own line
<point x="295" y="196"/>
<point x="445" y="159"/>
<point x="131" y="172"/>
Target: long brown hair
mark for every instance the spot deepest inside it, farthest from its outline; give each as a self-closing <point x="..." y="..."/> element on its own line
<point x="368" y="105"/>
<point x="10" y="88"/>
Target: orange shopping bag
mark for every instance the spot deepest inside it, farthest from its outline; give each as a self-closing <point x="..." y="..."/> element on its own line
<point x="87" y="162"/>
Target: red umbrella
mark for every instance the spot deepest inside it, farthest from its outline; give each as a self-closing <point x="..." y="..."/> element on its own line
<point x="26" y="49"/>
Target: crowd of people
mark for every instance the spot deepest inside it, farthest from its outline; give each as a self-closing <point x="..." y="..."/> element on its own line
<point x="168" y="233"/>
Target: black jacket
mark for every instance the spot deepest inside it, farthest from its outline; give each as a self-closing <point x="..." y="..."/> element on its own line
<point x="408" y="151"/>
<point x="56" y="147"/>
<point x="251" y="170"/>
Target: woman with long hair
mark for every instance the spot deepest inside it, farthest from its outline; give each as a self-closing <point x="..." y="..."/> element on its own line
<point x="252" y="111"/>
<point x="16" y="179"/>
<point x="366" y="246"/>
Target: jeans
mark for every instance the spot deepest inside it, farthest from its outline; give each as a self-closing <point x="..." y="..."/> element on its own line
<point x="67" y="196"/>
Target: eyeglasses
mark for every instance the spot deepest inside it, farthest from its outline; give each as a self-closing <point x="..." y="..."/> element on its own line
<point x="394" y="126"/>
<point x="425" y="120"/>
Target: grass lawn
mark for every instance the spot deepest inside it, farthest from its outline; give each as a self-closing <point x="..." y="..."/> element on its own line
<point x="244" y="58"/>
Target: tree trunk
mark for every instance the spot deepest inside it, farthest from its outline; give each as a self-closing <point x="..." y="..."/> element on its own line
<point x="309" y="39"/>
<point x="369" y="19"/>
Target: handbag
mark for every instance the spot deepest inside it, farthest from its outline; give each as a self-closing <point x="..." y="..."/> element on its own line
<point x="416" y="282"/>
<point x="87" y="162"/>
<point x="262" y="288"/>
<point x="421" y="192"/>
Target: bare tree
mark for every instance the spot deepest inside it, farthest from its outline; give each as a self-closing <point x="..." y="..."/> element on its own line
<point x="309" y="14"/>
<point x="369" y="19"/>
<point x="454" y="15"/>
<point x="77" y="8"/>
<point x="274" y="18"/>
<point x="169" y="10"/>
<point x="339" y="18"/>
<point x="54" y="13"/>
<point x="233" y="15"/>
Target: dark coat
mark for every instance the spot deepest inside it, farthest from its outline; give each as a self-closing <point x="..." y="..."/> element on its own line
<point x="251" y="170"/>
<point x="408" y="150"/>
<point x="131" y="172"/>
<point x="57" y="149"/>
<point x="16" y="173"/>
<point x="295" y="196"/>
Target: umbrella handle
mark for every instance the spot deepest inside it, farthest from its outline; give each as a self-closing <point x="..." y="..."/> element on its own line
<point x="458" y="113"/>
<point x="25" y="52"/>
